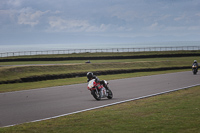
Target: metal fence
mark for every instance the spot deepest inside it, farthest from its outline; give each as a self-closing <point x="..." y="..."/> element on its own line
<point x="70" y="51"/>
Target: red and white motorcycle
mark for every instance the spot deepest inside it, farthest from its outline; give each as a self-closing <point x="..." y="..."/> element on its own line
<point x="98" y="90"/>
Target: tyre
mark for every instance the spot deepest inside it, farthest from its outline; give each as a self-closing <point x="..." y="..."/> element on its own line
<point x="110" y="94"/>
<point x="96" y="95"/>
<point x="194" y="71"/>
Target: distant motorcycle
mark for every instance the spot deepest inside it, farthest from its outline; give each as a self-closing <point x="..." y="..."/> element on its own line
<point x="98" y="90"/>
<point x="194" y="69"/>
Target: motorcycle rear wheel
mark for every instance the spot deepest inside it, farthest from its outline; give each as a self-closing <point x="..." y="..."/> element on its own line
<point x="96" y="95"/>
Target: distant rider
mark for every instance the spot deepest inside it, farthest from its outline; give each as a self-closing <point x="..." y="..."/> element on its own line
<point x="196" y="64"/>
<point x="91" y="76"/>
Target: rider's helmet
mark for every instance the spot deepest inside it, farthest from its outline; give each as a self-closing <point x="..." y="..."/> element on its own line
<point x="89" y="75"/>
<point x="195" y="61"/>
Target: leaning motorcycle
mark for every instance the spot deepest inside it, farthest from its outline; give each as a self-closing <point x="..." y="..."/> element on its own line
<point x="98" y="90"/>
<point x="194" y="69"/>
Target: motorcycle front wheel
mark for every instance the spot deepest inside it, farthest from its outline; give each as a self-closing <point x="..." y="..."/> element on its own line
<point x="194" y="71"/>
<point x="96" y="95"/>
<point x="110" y="94"/>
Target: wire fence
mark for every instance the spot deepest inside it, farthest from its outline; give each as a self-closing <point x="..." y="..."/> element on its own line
<point x="70" y="51"/>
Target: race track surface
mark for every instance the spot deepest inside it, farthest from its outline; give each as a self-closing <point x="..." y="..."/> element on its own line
<point x="30" y="105"/>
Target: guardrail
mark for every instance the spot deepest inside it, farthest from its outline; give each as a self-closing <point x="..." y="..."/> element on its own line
<point x="70" y="51"/>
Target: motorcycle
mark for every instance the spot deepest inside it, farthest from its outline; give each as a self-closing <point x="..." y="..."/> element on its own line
<point x="194" y="69"/>
<point x="98" y="90"/>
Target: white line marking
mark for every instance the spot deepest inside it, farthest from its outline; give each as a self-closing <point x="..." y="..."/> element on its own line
<point x="107" y="105"/>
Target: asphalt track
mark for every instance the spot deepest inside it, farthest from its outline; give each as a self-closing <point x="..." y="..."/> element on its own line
<point x="32" y="105"/>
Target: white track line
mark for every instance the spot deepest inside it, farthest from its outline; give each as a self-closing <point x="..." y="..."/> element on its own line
<point x="108" y="105"/>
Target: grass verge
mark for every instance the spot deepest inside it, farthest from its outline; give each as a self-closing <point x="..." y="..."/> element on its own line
<point x="173" y="112"/>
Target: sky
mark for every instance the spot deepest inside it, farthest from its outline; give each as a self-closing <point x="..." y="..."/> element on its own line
<point x="30" y="22"/>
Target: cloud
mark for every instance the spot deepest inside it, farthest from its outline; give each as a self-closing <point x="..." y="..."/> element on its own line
<point x="58" y="24"/>
<point x="124" y="18"/>
<point x="30" y="17"/>
<point x="179" y="18"/>
<point x="14" y="3"/>
<point x="153" y="26"/>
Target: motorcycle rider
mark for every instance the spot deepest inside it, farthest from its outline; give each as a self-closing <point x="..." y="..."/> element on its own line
<point x="196" y="64"/>
<point x="91" y="76"/>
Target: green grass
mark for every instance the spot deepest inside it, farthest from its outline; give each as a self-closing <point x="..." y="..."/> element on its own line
<point x="17" y="72"/>
<point x="78" y="62"/>
<point x="177" y="112"/>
